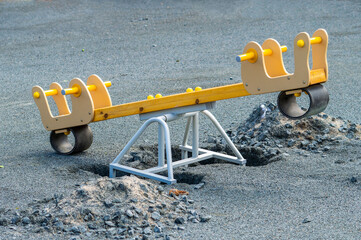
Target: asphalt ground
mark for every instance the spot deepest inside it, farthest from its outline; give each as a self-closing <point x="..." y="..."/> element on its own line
<point x="149" y="47"/>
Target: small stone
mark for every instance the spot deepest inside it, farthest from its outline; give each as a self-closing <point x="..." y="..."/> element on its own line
<point x="147" y="230"/>
<point x="82" y="229"/>
<point x="326" y="148"/>
<point x="184" y="198"/>
<point x="82" y="193"/>
<point x="15" y="220"/>
<point x="353" y="179"/>
<point x="211" y="139"/>
<point x="167" y="237"/>
<point x="108" y="204"/>
<point x="110" y="224"/>
<point x="121" y="231"/>
<point x="160" y="189"/>
<point x="179" y="220"/>
<point x="4" y="222"/>
<point x="106" y="218"/>
<point x="340" y="162"/>
<point x="59" y="225"/>
<point x="199" y="185"/>
<point x="138" y="210"/>
<point x="151" y="209"/>
<point x="157" y="229"/>
<point x="304" y="143"/>
<point x="92" y="226"/>
<point x="75" y="230"/>
<point x="129" y="213"/>
<point x="306" y="220"/>
<point x="193" y="212"/>
<point x="143" y="187"/>
<point x="205" y="218"/>
<point x="111" y="231"/>
<point x="131" y="232"/>
<point x="74" y="238"/>
<point x="231" y="78"/>
<point x="155" y="216"/>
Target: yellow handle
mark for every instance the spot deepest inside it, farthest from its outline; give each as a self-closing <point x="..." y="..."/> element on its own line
<point x="251" y="55"/>
<point x="313" y="40"/>
<point x="76" y="90"/>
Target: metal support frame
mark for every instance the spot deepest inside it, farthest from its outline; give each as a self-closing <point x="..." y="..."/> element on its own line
<point x="164" y="143"/>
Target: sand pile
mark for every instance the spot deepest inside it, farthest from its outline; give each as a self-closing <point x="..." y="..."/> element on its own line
<point x="122" y="208"/>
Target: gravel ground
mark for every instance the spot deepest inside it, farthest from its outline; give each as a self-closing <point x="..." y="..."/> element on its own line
<point x="149" y="47"/>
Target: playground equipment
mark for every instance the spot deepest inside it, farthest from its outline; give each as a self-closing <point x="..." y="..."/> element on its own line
<point x="262" y="72"/>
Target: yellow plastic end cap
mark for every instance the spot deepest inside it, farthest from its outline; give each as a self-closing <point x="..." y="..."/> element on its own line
<point x="198" y="89"/>
<point x="108" y="84"/>
<point x="150" y="97"/>
<point x="158" y="95"/>
<point x="36" y="95"/>
<point x="300" y="43"/>
<point x="189" y="90"/>
<point x="297" y="94"/>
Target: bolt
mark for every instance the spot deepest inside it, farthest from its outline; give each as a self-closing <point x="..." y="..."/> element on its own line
<point x="258" y="89"/>
<point x="141" y="109"/>
<point x="106" y="115"/>
<point x="56" y="119"/>
<point x="304" y="82"/>
<point x="288" y="77"/>
<point x="90" y="113"/>
<point x="246" y="84"/>
<point x="197" y="101"/>
<point x="81" y="120"/>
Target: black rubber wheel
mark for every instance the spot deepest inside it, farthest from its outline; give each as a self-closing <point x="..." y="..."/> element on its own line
<point x="318" y="100"/>
<point x="82" y="140"/>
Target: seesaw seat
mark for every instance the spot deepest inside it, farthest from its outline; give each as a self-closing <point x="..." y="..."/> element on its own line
<point x="266" y="73"/>
<point x="85" y="99"/>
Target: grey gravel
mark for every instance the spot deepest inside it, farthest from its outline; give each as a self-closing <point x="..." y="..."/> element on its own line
<point x="129" y="213"/>
<point x="179" y="220"/>
<point x="155" y="216"/>
<point x="42" y="42"/>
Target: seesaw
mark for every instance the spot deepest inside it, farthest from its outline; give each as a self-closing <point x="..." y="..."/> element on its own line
<point x="262" y="72"/>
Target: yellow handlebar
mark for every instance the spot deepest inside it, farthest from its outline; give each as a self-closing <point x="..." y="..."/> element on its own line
<point x="313" y="40"/>
<point x="250" y="55"/>
<point x="76" y="89"/>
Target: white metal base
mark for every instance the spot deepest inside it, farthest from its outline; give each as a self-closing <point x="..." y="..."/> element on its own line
<point x="164" y="144"/>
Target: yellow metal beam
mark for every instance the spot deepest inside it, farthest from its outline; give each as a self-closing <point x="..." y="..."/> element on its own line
<point x="172" y="101"/>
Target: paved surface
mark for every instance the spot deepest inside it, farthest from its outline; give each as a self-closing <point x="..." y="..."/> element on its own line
<point x="146" y="47"/>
